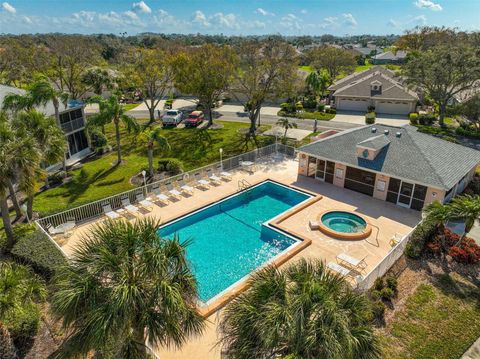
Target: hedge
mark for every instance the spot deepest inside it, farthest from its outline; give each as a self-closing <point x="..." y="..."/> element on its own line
<point x="322" y="116"/>
<point x="422" y="233"/>
<point x="172" y="165"/>
<point x="39" y="252"/>
<point x="22" y="322"/>
<point x="467" y="132"/>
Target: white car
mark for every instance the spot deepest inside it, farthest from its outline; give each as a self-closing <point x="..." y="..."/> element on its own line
<point x="172" y="118"/>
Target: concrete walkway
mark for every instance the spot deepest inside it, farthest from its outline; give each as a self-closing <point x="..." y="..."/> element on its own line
<point x="473" y="352"/>
<point x="358" y="118"/>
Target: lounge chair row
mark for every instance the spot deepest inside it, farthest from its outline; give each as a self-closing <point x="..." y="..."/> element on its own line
<point x="346" y="264"/>
<point x="171" y="191"/>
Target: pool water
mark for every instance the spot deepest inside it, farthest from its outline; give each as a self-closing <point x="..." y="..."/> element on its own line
<point x="229" y="238"/>
<point x="344" y="222"/>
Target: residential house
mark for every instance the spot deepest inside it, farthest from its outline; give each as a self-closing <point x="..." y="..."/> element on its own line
<point x="376" y="87"/>
<point x="394" y="164"/>
<point x="72" y="122"/>
<point x="389" y="57"/>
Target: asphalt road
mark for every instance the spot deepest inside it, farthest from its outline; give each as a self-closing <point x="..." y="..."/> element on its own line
<point x="268" y="119"/>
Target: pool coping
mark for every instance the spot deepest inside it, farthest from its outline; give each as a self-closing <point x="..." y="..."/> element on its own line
<point x="221" y="299"/>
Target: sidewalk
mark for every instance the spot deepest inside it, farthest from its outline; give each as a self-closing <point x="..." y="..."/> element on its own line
<point x="473" y="352"/>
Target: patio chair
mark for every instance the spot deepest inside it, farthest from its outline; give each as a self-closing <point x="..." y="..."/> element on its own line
<point x="52" y="230"/>
<point x="226" y="176"/>
<point x="338" y="269"/>
<point x="130" y="208"/>
<point x="185" y="187"/>
<point x="200" y="181"/>
<point x="109" y="212"/>
<point x="173" y="192"/>
<point x="159" y="196"/>
<point x="145" y="203"/>
<point x="396" y="238"/>
<point x="351" y="262"/>
<point x="213" y="178"/>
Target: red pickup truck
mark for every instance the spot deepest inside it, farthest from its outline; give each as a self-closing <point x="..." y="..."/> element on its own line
<point x="194" y="119"/>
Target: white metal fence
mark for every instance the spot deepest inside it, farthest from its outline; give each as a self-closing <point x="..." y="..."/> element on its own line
<point x="95" y="209"/>
<point x="385" y="264"/>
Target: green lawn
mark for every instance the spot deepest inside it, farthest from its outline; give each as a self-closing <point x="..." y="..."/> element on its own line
<point x="130" y="106"/>
<point x="98" y="178"/>
<point x="440" y="320"/>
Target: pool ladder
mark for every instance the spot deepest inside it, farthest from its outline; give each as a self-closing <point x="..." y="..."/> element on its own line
<point x="243" y="184"/>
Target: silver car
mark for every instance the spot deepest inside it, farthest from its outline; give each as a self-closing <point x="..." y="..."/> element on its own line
<point x="172" y="118"/>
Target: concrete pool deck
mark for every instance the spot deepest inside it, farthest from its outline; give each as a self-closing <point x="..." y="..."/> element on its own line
<point x="385" y="218"/>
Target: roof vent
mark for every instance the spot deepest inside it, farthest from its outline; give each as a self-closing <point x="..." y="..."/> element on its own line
<point x="398" y="134"/>
<point x="386" y="132"/>
<point x="374" y="130"/>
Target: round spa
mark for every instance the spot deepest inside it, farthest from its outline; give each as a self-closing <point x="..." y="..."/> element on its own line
<point x="344" y="225"/>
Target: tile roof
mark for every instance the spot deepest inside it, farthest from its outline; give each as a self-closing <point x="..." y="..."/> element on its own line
<point x="412" y="156"/>
<point x="357" y="75"/>
<point x="389" y="55"/>
<point x="391" y="89"/>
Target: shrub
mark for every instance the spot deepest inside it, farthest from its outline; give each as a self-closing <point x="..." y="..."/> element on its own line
<point x="371" y="108"/>
<point x="37" y="250"/>
<point x="19" y="231"/>
<point x="331" y="110"/>
<point x="310" y="103"/>
<point x="413" y="118"/>
<point x="426" y="119"/>
<point x="57" y="178"/>
<point x="387" y="293"/>
<point x="321" y="107"/>
<point x="22" y="323"/>
<point x="172" y="165"/>
<point x="378" y="310"/>
<point x="467" y="252"/>
<point x="392" y="283"/>
<point x="467" y="132"/>
<point x="422" y="234"/>
<point x="97" y="137"/>
<point x="287" y="107"/>
<point x="370" y="118"/>
<point x="379" y="284"/>
<point x="299" y="106"/>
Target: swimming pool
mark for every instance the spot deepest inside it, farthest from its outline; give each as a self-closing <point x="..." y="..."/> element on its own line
<point x="230" y="238"/>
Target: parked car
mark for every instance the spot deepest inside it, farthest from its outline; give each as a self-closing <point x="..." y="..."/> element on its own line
<point x="194" y="119"/>
<point x="172" y="118"/>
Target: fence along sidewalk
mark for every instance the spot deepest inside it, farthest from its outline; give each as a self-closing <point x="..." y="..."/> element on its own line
<point x="95" y="209"/>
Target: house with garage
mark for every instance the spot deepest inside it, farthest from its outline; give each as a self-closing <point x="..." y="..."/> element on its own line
<point x="395" y="164"/>
<point x="72" y="122"/>
<point x="376" y="88"/>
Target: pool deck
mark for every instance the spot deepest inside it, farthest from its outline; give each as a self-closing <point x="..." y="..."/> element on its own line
<point x="385" y="218"/>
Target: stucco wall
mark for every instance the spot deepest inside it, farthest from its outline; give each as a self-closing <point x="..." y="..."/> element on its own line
<point x="434" y="194"/>
<point x="302" y="164"/>
<point x="340" y="182"/>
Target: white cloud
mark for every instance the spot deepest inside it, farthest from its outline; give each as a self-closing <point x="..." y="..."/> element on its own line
<point x="141" y="7"/>
<point x="428" y="4"/>
<point x="27" y="20"/>
<point x="264" y="12"/>
<point x="303" y="11"/>
<point x="200" y="18"/>
<point x="165" y="20"/>
<point x="329" y="22"/>
<point x="225" y="20"/>
<point x="419" y="20"/>
<point x="349" y="20"/>
<point x="393" y="23"/>
<point x="131" y="15"/>
<point x="8" y="8"/>
<point x="290" y="21"/>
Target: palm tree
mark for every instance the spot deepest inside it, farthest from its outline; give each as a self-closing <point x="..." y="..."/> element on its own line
<point x="152" y="137"/>
<point x="303" y="311"/>
<point x="112" y="111"/>
<point x="17" y="151"/>
<point x="317" y="82"/>
<point x="286" y="125"/>
<point x="125" y="284"/>
<point x="464" y="208"/>
<point x="50" y="144"/>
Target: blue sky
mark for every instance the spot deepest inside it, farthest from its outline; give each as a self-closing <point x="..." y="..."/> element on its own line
<point x="312" y="17"/>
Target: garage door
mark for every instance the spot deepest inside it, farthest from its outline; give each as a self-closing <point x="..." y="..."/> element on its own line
<point x="352" y="105"/>
<point x="393" y="108"/>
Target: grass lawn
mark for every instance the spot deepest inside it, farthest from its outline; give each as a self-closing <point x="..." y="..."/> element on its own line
<point x="321" y="116"/>
<point x="306" y="68"/>
<point x="440" y="320"/>
<point x="98" y="178"/>
<point x="130" y="106"/>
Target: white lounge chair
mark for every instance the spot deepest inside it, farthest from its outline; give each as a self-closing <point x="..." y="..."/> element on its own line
<point x="348" y="261"/>
<point x="145" y="203"/>
<point x="185" y="187"/>
<point x="159" y="196"/>
<point x="214" y="178"/>
<point x="109" y="212"/>
<point x="201" y="182"/>
<point x="226" y="176"/>
<point x="130" y="208"/>
<point x="338" y="268"/>
<point x="173" y="192"/>
<point x="52" y="230"/>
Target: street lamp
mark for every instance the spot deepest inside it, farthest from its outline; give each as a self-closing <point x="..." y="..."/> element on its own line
<point x="144" y="174"/>
<point x="221" y="162"/>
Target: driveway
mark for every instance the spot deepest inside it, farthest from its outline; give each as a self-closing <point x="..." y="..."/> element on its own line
<point x="358" y="118"/>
